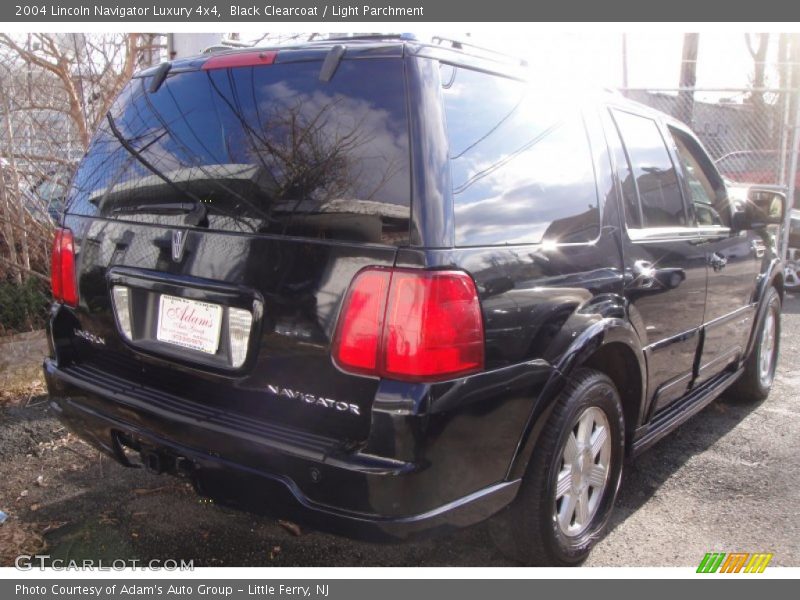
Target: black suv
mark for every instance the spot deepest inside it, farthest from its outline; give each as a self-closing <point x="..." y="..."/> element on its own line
<point x="383" y="288"/>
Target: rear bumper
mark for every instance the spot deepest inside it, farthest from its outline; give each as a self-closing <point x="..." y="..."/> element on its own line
<point x="261" y="467"/>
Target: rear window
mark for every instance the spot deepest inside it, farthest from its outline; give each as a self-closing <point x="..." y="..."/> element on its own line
<point x="265" y="149"/>
<point x="520" y="163"/>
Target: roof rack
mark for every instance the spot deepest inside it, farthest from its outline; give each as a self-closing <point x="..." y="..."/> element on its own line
<point x="370" y="37"/>
<point x="226" y="44"/>
<point x="462" y="45"/>
<point x="229" y="44"/>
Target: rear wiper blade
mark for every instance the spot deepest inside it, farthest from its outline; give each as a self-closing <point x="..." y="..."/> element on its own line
<point x="162" y="208"/>
<point x="198" y="212"/>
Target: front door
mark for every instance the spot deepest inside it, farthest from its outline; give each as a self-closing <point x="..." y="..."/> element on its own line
<point x="665" y="261"/>
<point x="733" y="258"/>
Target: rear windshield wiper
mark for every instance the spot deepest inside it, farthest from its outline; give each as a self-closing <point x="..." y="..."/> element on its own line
<point x="197" y="212"/>
<point x="161" y="208"/>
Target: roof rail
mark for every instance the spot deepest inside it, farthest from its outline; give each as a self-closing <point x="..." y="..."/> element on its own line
<point x="370" y="37"/>
<point x="226" y="44"/>
<point x="229" y="44"/>
<point x="462" y="45"/>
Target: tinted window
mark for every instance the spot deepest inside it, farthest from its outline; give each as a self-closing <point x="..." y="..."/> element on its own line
<point x="269" y="149"/>
<point x="625" y="176"/>
<point x="656" y="180"/>
<point x="521" y="165"/>
<point x="702" y="181"/>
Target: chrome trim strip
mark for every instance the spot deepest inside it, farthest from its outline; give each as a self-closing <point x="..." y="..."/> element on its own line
<point x="729" y="316"/>
<point x="667" y="234"/>
<point x="727" y="355"/>
<point x="678" y="337"/>
<point x="673" y="382"/>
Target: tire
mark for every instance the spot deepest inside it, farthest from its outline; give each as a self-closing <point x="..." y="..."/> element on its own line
<point x="756" y="381"/>
<point x="539" y="528"/>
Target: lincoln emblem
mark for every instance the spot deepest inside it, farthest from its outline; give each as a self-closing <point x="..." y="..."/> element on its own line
<point x="178" y="243"/>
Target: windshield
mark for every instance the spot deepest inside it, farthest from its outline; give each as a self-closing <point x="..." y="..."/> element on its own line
<point x="268" y="149"/>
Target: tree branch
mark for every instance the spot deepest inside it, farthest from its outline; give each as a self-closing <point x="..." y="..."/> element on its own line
<point x="38" y="157"/>
<point x="22" y="269"/>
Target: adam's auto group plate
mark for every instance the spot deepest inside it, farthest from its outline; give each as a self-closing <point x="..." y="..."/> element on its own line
<point x="189" y="323"/>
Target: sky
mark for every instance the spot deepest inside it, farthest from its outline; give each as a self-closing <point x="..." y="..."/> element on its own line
<point x="595" y="59"/>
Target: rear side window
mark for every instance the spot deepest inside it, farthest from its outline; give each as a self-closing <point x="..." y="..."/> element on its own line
<point x="521" y="165"/>
<point x="267" y="149"/>
<point x="633" y="214"/>
<point x="653" y="171"/>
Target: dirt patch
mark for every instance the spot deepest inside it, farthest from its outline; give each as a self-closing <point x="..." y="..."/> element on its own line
<point x="17" y="539"/>
<point x="21" y="358"/>
<point x="27" y="427"/>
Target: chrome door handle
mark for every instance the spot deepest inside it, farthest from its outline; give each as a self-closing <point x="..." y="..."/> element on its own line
<point x="759" y="248"/>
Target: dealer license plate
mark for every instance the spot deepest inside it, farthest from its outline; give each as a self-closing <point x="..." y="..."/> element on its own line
<point x="189" y="323"/>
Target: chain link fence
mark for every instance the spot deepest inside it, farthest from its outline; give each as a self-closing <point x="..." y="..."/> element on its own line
<point x="749" y="133"/>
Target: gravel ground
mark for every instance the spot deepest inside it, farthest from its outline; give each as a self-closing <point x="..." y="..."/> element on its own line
<point x="726" y="481"/>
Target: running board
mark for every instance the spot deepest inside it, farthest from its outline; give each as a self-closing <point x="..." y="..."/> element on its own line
<point x="681" y="411"/>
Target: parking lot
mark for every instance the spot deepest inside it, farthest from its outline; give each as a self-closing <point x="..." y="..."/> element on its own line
<point x="726" y="481"/>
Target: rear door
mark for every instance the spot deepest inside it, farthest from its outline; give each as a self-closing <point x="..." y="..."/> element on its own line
<point x="220" y="217"/>
<point x="664" y="262"/>
<point x="734" y="259"/>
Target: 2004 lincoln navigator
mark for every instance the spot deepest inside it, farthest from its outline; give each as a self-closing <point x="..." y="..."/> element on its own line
<point x="384" y="288"/>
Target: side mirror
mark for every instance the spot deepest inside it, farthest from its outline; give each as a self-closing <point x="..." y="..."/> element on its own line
<point x="762" y="207"/>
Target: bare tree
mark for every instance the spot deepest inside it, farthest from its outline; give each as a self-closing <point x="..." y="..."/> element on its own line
<point x="90" y="69"/>
<point x="56" y="89"/>
<point x="757" y="45"/>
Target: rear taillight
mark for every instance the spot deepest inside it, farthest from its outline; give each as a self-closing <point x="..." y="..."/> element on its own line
<point x="62" y="268"/>
<point x="410" y="325"/>
<point x="359" y="331"/>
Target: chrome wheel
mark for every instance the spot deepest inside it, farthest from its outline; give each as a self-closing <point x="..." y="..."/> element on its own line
<point x="584" y="471"/>
<point x="791" y="279"/>
<point x="766" y="354"/>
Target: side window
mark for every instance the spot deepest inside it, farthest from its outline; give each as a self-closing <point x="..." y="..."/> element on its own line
<point x="521" y="165"/>
<point x="653" y="171"/>
<point x="703" y="183"/>
<point x="633" y="216"/>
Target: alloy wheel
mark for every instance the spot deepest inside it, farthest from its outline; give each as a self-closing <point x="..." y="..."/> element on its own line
<point x="584" y="471"/>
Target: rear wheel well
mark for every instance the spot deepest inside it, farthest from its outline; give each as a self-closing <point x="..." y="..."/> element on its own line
<point x="619" y="363"/>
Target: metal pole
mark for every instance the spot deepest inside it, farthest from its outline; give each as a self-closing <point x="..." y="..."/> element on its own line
<point x="625" y="60"/>
<point x="787" y="105"/>
<point x="792" y="174"/>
